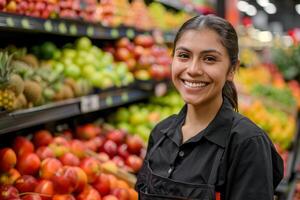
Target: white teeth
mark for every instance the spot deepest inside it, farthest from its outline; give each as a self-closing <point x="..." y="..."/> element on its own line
<point x="194" y="84"/>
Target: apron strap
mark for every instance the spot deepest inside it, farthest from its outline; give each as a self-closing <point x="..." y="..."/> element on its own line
<point x="213" y="173"/>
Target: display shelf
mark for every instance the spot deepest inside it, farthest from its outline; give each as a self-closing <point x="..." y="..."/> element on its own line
<point x="18" y="120"/>
<point x="66" y="27"/>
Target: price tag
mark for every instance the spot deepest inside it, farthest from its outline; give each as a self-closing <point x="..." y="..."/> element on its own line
<point x="130" y="33"/>
<point x="62" y="28"/>
<point x="10" y="22"/>
<point x="90" y="31"/>
<point x="25" y="23"/>
<point x="90" y="103"/>
<point x="73" y="29"/>
<point x="109" y="101"/>
<point x="114" y="33"/>
<point x="48" y="26"/>
<point x="124" y="97"/>
<point x="160" y="89"/>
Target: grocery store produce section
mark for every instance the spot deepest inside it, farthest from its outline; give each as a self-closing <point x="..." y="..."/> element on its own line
<point x="78" y="105"/>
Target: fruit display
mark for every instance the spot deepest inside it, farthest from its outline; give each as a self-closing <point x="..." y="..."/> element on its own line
<point x="81" y="164"/>
<point x="145" y="59"/>
<point x="109" y="13"/>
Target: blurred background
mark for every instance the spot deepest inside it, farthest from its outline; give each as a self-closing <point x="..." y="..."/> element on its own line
<point x="83" y="82"/>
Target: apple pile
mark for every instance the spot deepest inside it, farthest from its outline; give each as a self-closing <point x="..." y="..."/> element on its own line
<point x="35" y="8"/>
<point x="143" y="57"/>
<point x="83" y="60"/>
<point x="141" y="118"/>
<point x="62" y="168"/>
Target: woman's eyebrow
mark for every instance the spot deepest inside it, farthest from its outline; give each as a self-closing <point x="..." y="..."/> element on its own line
<point x="202" y="52"/>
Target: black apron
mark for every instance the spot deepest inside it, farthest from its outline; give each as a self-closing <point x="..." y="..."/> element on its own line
<point x="162" y="188"/>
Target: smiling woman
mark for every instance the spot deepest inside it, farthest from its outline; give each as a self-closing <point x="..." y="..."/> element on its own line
<point x="208" y="151"/>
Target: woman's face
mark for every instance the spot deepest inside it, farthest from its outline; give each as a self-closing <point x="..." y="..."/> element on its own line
<point x="200" y="67"/>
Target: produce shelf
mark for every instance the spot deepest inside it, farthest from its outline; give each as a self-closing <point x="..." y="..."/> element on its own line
<point x="18" y="120"/>
<point x="65" y="27"/>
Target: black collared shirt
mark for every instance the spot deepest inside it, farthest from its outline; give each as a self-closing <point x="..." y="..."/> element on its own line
<point x="250" y="167"/>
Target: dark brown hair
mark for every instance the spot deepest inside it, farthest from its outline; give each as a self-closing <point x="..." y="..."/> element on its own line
<point x="228" y="39"/>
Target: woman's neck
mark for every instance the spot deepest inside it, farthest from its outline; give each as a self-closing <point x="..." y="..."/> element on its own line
<point x="198" y="117"/>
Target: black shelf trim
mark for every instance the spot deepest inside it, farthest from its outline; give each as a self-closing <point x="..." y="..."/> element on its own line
<point x="65" y="27"/>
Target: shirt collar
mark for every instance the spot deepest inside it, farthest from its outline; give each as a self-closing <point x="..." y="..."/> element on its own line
<point x="217" y="131"/>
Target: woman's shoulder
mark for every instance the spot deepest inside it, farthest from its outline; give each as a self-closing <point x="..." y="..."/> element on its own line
<point x="244" y="129"/>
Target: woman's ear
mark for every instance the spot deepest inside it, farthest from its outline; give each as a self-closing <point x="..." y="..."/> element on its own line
<point x="232" y="71"/>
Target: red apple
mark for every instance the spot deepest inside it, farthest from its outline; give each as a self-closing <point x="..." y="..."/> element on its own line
<point x="82" y="179"/>
<point x="131" y="64"/>
<point x="110" y="147"/>
<point x="135" y="144"/>
<point x="119" y="161"/>
<point x="63" y="197"/>
<point x="29" y="164"/>
<point x="42" y="138"/>
<point x="134" y="162"/>
<point x="8" y="192"/>
<point x="31" y="197"/>
<point x="8" y="159"/>
<point x="120" y="193"/>
<point x="91" y="167"/>
<point x="78" y="148"/>
<point x="144" y="40"/>
<point x="59" y="146"/>
<point x="69" y="159"/>
<point x="117" y="136"/>
<point x="22" y="146"/>
<point x="88" y="131"/>
<point x="102" y="184"/>
<point x="44" y="152"/>
<point x="65" y="180"/>
<point x="123" y="151"/>
<point x="138" y="51"/>
<point x="49" y="167"/>
<point x="89" y="193"/>
<point x="123" y="42"/>
<point x="157" y="72"/>
<point x="26" y="183"/>
<point x="122" y="54"/>
<point x="9" y="178"/>
<point x="45" y="189"/>
<point x="110" y="197"/>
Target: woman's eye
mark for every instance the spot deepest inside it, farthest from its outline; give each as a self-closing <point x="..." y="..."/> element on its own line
<point x="209" y="59"/>
<point x="182" y="55"/>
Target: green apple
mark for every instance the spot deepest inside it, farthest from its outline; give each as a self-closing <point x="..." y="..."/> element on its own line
<point x="72" y="70"/>
<point x="87" y="71"/>
<point x="97" y="79"/>
<point x="83" y="43"/>
<point x="69" y="53"/>
<point x="58" y="67"/>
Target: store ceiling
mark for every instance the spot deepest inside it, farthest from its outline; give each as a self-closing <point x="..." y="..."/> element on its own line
<point x="286" y="15"/>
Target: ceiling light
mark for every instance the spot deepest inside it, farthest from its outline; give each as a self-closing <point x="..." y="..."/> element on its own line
<point x="262" y="3"/>
<point x="270" y="9"/>
<point x="297" y="7"/>
<point x="242" y="6"/>
<point x="251" y="11"/>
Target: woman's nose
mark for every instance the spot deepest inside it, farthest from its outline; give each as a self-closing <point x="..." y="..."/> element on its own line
<point x="195" y="68"/>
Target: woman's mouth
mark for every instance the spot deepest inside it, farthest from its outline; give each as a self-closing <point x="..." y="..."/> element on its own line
<point x="194" y="84"/>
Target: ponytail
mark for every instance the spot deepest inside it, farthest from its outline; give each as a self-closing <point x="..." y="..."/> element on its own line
<point x="230" y="92"/>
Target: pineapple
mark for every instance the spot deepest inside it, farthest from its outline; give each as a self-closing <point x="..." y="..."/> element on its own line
<point x="7" y="95"/>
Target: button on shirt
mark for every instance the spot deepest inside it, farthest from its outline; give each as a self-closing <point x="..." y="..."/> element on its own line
<point x="250" y="167"/>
